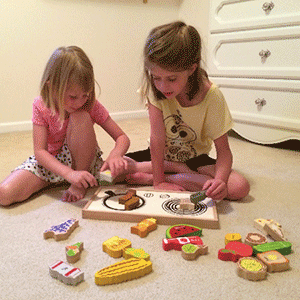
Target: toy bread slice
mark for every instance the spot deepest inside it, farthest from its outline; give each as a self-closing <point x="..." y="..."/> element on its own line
<point x="123" y="271"/>
<point x="274" y="261"/>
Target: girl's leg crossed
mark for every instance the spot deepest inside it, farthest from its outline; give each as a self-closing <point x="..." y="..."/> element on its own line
<point x="19" y="186"/>
<point x="238" y="186"/>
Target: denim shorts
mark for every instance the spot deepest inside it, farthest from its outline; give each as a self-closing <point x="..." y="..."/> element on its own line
<point x="192" y="163"/>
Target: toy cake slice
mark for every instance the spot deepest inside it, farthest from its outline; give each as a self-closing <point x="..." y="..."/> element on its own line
<point x="182" y="230"/>
<point x="123" y="271"/>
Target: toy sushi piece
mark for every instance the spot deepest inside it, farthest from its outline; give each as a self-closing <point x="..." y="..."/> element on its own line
<point x="66" y="273"/>
<point x="73" y="252"/>
<point x="61" y="231"/>
<point x="125" y="270"/>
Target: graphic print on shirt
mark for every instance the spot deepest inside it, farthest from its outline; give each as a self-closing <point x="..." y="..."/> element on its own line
<point x="179" y="139"/>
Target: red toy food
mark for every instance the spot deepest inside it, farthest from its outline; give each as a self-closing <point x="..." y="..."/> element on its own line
<point x="177" y="243"/>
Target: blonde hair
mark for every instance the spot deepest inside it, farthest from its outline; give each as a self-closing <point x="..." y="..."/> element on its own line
<point x="174" y="47"/>
<point x="67" y="66"/>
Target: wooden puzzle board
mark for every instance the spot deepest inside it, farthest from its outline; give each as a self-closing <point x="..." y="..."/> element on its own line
<point x="161" y="205"/>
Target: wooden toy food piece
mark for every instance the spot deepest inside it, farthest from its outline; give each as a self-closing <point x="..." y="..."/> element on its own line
<point x="177" y="243"/>
<point x="115" y="245"/>
<point x="106" y="176"/>
<point x="242" y="250"/>
<point x="274" y="231"/>
<point x="253" y="239"/>
<point x="123" y="271"/>
<point x="228" y="255"/>
<point x="130" y="193"/>
<point x="61" y="231"/>
<point x="66" y="273"/>
<point x="191" y="252"/>
<point x="274" y="261"/>
<point x="135" y="253"/>
<point x="260" y="223"/>
<point x="251" y="268"/>
<point x="186" y="204"/>
<point x="283" y="247"/>
<point x="144" y="227"/>
<point x="197" y="197"/>
<point x="231" y="237"/>
<point x="73" y="252"/>
<point x="132" y="203"/>
<point x="183" y="230"/>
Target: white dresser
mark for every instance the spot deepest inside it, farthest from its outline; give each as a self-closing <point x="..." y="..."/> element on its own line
<point x="254" y="57"/>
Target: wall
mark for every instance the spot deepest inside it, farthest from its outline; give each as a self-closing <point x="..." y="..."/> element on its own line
<point x="196" y="13"/>
<point x="112" y="33"/>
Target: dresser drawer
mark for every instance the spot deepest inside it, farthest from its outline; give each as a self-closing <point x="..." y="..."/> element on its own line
<point x="234" y="15"/>
<point x="266" y="53"/>
<point x="269" y="104"/>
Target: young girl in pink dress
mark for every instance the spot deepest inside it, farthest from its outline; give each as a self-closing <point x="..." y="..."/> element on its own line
<point x="65" y="145"/>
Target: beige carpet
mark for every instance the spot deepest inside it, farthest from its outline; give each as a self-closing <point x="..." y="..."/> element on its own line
<point x="274" y="174"/>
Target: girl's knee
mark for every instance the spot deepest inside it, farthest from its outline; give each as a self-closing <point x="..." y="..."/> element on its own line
<point x="238" y="189"/>
<point x="80" y="117"/>
<point x="5" y="196"/>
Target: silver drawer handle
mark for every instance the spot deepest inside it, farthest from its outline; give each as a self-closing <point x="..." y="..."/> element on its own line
<point x="260" y="102"/>
<point x="268" y="6"/>
<point x="264" y="54"/>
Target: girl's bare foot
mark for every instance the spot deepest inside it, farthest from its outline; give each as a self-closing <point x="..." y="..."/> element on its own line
<point x="139" y="178"/>
<point x="73" y="194"/>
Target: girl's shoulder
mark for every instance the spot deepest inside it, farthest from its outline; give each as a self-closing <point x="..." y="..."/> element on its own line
<point x="38" y="104"/>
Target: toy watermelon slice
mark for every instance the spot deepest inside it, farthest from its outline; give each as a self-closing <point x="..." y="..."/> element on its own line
<point x="183" y="230"/>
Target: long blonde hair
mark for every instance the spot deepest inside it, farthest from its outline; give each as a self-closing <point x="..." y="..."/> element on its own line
<point x="174" y="47"/>
<point x="66" y="66"/>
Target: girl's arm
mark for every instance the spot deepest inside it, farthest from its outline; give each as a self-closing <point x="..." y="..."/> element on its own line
<point x="115" y="160"/>
<point x="157" y="146"/>
<point x="217" y="187"/>
<point x="78" y="178"/>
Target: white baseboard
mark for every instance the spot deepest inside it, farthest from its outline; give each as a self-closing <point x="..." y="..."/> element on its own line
<point x="135" y="114"/>
<point x="15" y="126"/>
<point x="27" y="125"/>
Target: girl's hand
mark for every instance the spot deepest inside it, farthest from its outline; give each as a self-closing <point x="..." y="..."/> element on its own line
<point x="169" y="186"/>
<point x="215" y="189"/>
<point x="81" y="179"/>
<point x="117" y="165"/>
